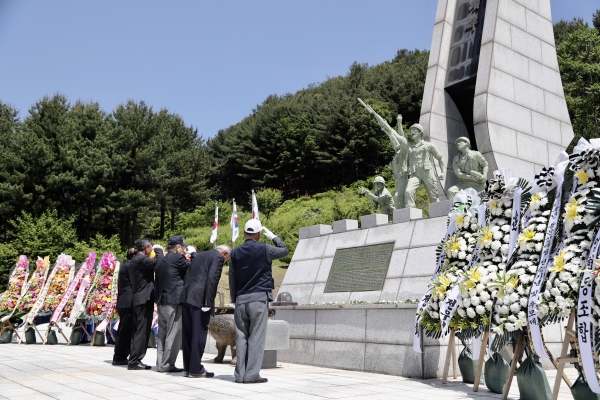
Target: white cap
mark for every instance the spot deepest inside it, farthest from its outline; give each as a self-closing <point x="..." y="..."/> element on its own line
<point x="253" y="226"/>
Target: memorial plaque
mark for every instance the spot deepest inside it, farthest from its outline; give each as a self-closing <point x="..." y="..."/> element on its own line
<point x="359" y="269"/>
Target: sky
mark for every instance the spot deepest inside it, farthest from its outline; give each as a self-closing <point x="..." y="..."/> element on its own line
<point x="212" y="62"/>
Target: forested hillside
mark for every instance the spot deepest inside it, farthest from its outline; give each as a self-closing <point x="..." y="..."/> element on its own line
<point x="320" y="137"/>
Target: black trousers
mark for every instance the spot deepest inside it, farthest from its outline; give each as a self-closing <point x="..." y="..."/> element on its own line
<point x="142" y="322"/>
<point x="194" y="333"/>
<point x="123" y="344"/>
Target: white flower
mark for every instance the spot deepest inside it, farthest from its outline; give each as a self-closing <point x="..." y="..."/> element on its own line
<point x="538" y="236"/>
<point x="555" y="292"/>
<point x="509" y="327"/>
<point x="484" y="296"/>
<point x="488" y="305"/>
<point x="513" y="297"/>
<point x="523" y="302"/>
<point x="480" y="309"/>
<point x="564" y="287"/>
<point x="505" y="228"/>
<point x="508" y="213"/>
<point x="471" y="312"/>
<point x="462" y="255"/>
<point x="461" y="312"/>
<point x="503" y="309"/>
<point x="496" y="245"/>
<point x="480" y="287"/>
<point x="512" y="318"/>
<point x="475" y="300"/>
<point x="515" y="308"/>
<point x="434" y="315"/>
<point x="466" y="301"/>
<point x="498" y="235"/>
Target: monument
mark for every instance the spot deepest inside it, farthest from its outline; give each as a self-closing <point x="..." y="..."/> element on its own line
<point x="492" y="78"/>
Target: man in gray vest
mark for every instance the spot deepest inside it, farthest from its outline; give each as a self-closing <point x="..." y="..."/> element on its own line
<point x="251" y="288"/>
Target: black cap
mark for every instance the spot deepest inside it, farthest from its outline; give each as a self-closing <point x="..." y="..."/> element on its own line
<point x="175" y="240"/>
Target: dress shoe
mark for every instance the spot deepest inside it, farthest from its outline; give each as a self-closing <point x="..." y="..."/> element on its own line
<point x="259" y="380"/>
<point x="122" y="362"/>
<point x="185" y="374"/>
<point x="205" y="374"/>
<point x="175" y="369"/>
<point x="138" y="366"/>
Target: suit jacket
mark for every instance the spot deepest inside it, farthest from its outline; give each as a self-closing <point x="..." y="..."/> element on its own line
<point x="202" y="279"/>
<point x="141" y="274"/>
<point x="170" y="271"/>
<point x="125" y="291"/>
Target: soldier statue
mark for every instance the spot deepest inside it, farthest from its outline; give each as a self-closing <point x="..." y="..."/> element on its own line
<point x="470" y="167"/>
<point x="412" y="164"/>
<point x="381" y="198"/>
<point x="399" y="163"/>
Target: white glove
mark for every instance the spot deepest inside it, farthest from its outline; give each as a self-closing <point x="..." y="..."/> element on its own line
<point x="268" y="233"/>
<point x="205" y="309"/>
<point x="191" y="249"/>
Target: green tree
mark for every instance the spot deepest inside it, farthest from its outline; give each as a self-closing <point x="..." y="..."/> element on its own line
<point x="579" y="61"/>
<point x="563" y="29"/>
<point x="268" y="200"/>
<point x="12" y="169"/>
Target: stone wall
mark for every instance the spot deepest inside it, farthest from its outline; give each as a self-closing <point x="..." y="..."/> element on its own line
<point x="411" y="266"/>
<point x="371" y="338"/>
<point x="520" y="114"/>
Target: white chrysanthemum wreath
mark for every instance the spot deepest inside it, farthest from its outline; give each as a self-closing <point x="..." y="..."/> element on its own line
<point x="458" y="251"/>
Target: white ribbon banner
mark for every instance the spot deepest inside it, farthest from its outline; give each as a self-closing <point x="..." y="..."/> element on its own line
<point x="585" y="328"/>
<point x="425" y="300"/>
<point x="448" y="308"/>
<point x="515" y="222"/>
<point x="540" y="275"/>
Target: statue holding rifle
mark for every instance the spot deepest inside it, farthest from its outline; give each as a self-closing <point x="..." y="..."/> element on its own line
<point x="418" y="155"/>
<point x="399" y="163"/>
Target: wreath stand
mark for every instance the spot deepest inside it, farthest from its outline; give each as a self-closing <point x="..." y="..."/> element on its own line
<point x="484" y="341"/>
<point x="28" y="325"/>
<point x="559" y="364"/>
<point x="58" y="328"/>
<point x="450" y="357"/>
<point x="79" y="325"/>
<point x="7" y="325"/>
<point x="569" y="340"/>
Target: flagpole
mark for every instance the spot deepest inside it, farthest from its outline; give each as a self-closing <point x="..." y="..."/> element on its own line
<point x="216" y="218"/>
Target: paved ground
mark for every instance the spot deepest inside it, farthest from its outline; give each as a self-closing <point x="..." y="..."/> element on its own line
<point x="84" y="372"/>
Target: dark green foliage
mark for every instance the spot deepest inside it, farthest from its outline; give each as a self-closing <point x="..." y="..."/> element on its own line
<point x="579" y="61"/>
<point x="563" y="29"/>
<point x="321" y="137"/>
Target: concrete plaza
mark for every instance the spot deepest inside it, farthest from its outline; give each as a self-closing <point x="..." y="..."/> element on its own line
<point x="84" y="372"/>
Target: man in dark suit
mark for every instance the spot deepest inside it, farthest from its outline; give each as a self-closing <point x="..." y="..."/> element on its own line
<point x="170" y="271"/>
<point x="141" y="274"/>
<point x="251" y="289"/>
<point x="198" y="301"/>
<point x="124" y="297"/>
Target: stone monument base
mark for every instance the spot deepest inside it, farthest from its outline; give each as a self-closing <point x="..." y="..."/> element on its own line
<point x="372" y="338"/>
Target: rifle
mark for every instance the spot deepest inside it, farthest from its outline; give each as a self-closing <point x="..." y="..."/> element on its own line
<point x="383" y="124"/>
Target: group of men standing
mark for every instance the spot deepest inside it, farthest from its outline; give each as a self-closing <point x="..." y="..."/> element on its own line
<point x="183" y="284"/>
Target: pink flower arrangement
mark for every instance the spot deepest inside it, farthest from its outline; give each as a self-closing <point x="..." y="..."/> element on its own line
<point x="36" y="284"/>
<point x="89" y="261"/>
<point x="8" y="299"/>
<point x="102" y="293"/>
<point x="59" y="283"/>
